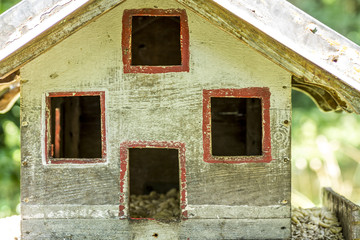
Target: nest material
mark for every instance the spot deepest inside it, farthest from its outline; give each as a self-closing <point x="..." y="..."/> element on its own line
<point x="155" y="205"/>
<point x="315" y="224"/>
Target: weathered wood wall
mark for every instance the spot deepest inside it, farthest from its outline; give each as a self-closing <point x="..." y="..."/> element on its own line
<point x="250" y="200"/>
<point x="347" y="212"/>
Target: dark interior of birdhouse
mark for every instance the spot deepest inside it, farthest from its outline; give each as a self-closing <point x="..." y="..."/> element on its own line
<point x="155" y="41"/>
<point x="236" y="126"/>
<point x="75" y="127"/>
<point x="154" y="183"/>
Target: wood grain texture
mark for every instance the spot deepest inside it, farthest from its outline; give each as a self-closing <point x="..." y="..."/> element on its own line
<point x="164" y="107"/>
<point x="92" y="185"/>
<point x="207" y="229"/>
<point x="155" y="107"/>
<point x="78" y="229"/>
<point x="237" y="212"/>
<point x="69" y="211"/>
<point x="236" y="229"/>
<point x="347" y="212"/>
<point x="76" y="211"/>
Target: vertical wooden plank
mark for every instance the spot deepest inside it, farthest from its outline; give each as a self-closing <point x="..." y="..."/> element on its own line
<point x="57" y="132"/>
<point x="347" y="212"/>
<point x="71" y="131"/>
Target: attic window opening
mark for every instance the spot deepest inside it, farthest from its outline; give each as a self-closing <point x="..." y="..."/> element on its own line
<point x="155" y="41"/>
<point x="154" y="183"/>
<point x="236" y="125"/>
<point x="76" y="127"/>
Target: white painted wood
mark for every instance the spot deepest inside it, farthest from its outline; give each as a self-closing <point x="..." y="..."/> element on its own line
<point x="237" y="212"/>
<point x="37" y="24"/>
<point x="29" y="211"/>
<point x="235" y="229"/>
<point x="154" y="107"/>
<point x="67" y="211"/>
<point x="205" y="229"/>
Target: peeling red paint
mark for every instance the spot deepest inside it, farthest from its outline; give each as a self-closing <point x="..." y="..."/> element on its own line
<point x="126" y="40"/>
<point x="123" y="169"/>
<point x="185" y="214"/>
<point x="255" y="92"/>
<point x="48" y="149"/>
<point x="121" y="210"/>
<point x="124" y="159"/>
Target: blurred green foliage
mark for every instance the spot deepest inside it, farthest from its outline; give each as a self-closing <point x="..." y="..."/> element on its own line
<point x="9" y="151"/>
<point x="326" y="146"/>
<point x="325" y="151"/>
<point x="10" y="162"/>
<point x="6" y="4"/>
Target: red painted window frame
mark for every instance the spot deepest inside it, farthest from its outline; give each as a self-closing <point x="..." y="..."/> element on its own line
<point x="126" y="40"/>
<point x="51" y="160"/>
<point x="124" y="174"/>
<point x="255" y="92"/>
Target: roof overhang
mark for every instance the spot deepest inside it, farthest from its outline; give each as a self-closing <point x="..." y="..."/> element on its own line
<point x="324" y="64"/>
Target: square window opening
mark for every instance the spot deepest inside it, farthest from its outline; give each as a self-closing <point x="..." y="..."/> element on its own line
<point x="154" y="183"/>
<point x="75" y="127"/>
<point x="155" y="41"/>
<point x="236" y="126"/>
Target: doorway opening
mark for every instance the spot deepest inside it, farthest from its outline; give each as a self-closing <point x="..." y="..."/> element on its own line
<point x="154" y="183"/>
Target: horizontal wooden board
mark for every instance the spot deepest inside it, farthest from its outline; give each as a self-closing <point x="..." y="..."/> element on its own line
<point x="235" y="229"/>
<point x="72" y="211"/>
<point x="237" y="212"/>
<point x="147" y="229"/>
<point x="66" y="211"/>
<point x="92" y="185"/>
<point x="74" y="229"/>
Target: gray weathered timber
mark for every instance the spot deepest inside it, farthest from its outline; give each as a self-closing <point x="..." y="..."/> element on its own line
<point x="347" y="212"/>
<point x="237" y="212"/>
<point x="75" y="229"/>
<point x="230" y="201"/>
<point x="93" y="185"/>
<point x="235" y="229"/>
<point x="69" y="211"/>
<point x="17" y="18"/>
<point x="204" y="229"/>
<point x="73" y="211"/>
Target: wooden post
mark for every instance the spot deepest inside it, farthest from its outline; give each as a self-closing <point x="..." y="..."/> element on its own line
<point x="57" y="132"/>
<point x="347" y="212"/>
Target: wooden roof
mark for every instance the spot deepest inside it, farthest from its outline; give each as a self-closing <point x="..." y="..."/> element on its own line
<point x="324" y="64"/>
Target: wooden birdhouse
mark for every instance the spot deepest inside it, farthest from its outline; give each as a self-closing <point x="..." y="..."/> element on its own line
<point x="165" y="119"/>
